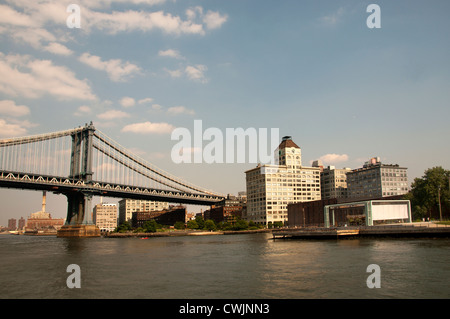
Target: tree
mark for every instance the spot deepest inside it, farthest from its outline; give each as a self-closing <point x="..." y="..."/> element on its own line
<point x="192" y="224"/>
<point x="179" y="225"/>
<point x="151" y="226"/>
<point x="240" y="224"/>
<point x="210" y="225"/>
<point x="124" y="227"/>
<point x="200" y="221"/>
<point x="428" y="190"/>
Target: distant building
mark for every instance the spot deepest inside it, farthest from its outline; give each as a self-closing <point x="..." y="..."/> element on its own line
<point x="270" y="188"/>
<point x="311" y="214"/>
<point x="12" y="224"/>
<point x="105" y="217"/>
<point x="376" y="180"/>
<point x="333" y="182"/>
<point x="128" y="206"/>
<point x="166" y="217"/>
<point x="43" y="220"/>
<point x="22" y="223"/>
<point x="233" y="207"/>
<point x="224" y="213"/>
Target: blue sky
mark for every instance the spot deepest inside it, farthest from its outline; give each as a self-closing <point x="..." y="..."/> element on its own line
<point x="313" y="69"/>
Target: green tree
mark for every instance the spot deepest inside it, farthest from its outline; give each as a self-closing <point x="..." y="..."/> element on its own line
<point x="278" y="224"/>
<point x="192" y="224"/>
<point x="151" y="226"/>
<point x="240" y="224"/>
<point x="124" y="227"/>
<point x="210" y="225"/>
<point x="426" y="191"/>
<point x="200" y="221"/>
<point x="179" y="225"/>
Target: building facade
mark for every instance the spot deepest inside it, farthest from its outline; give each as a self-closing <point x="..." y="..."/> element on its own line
<point x="333" y="182"/>
<point x="270" y="188"/>
<point x="166" y="217"/>
<point x="128" y="206"/>
<point x="377" y="180"/>
<point x="105" y="217"/>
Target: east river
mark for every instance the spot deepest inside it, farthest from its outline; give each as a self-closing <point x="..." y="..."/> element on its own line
<point x="223" y="266"/>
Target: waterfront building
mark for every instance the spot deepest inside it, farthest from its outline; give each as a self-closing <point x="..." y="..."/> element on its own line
<point x="270" y="188"/>
<point x="42" y="220"/>
<point x="333" y="182"/>
<point x="377" y="180"/>
<point x="12" y="224"/>
<point x="105" y="216"/>
<point x="128" y="206"/>
<point x="22" y="223"/>
<point x="167" y="217"/>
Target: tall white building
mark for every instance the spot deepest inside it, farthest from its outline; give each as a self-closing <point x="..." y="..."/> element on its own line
<point x="128" y="206"/>
<point x="105" y="216"/>
<point x="270" y="188"/>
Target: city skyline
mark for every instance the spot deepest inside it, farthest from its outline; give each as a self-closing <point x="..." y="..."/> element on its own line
<point x="139" y="69"/>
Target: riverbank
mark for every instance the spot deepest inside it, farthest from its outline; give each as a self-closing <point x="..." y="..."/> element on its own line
<point x="174" y="233"/>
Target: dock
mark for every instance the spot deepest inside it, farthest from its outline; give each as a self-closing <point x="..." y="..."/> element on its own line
<point x="404" y="231"/>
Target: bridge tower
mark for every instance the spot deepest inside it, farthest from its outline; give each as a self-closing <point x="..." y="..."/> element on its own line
<point x="79" y="204"/>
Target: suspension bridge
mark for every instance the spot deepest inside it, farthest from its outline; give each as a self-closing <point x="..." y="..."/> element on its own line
<point x="83" y="162"/>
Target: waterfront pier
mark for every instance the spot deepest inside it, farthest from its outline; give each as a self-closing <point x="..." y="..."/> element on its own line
<point x="403" y="231"/>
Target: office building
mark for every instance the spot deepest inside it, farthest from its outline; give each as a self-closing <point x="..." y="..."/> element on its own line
<point x="167" y="217"/>
<point x="376" y="180"/>
<point x="128" y="206"/>
<point x="105" y="217"/>
<point x="333" y="182"/>
<point x="270" y="188"/>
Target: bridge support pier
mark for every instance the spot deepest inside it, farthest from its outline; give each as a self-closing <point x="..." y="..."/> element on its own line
<point x="79" y="220"/>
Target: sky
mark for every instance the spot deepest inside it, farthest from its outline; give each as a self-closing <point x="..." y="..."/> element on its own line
<point x="314" y="70"/>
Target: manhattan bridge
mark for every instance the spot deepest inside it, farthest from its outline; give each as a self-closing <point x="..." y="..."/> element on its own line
<point x="83" y="162"/>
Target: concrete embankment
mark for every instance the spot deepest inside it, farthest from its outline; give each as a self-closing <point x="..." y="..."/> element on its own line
<point x="399" y="231"/>
<point x="184" y="233"/>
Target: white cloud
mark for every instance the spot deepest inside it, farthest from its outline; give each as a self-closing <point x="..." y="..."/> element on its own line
<point x="58" y="48"/>
<point x="149" y="128"/>
<point x="333" y="18"/>
<point x="331" y="159"/>
<point x="171" y="53"/>
<point x="9" y="107"/>
<point x="12" y="17"/>
<point x="130" y="20"/>
<point x="127" y="101"/>
<point x="175" y="73"/>
<point x="11" y="129"/>
<point x="117" y="70"/>
<point x="175" y="110"/>
<point x="214" y="20"/>
<point x="146" y="100"/>
<point x="156" y="107"/>
<point x="83" y="110"/>
<point x="33" y="78"/>
<point x="196" y="73"/>
<point x="112" y="115"/>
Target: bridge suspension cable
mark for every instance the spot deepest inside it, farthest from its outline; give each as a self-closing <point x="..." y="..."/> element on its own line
<point x="134" y="162"/>
<point x="53" y="154"/>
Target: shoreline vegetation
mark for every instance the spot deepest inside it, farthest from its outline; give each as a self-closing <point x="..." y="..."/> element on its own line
<point x="171" y="233"/>
<point x="195" y="227"/>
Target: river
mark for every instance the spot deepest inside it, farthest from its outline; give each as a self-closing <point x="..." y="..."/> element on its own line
<point x="223" y="266"/>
